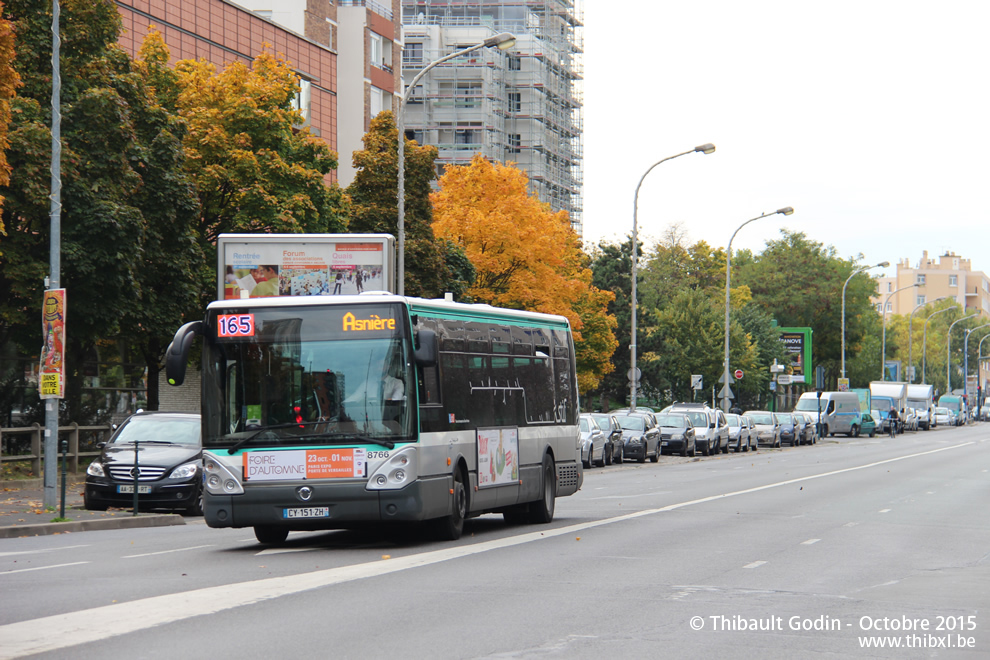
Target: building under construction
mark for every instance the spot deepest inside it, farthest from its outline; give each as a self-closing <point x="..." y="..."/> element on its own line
<point x="520" y="105"/>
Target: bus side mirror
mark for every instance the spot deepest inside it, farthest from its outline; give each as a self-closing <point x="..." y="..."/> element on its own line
<point x="426" y="348"/>
<point x="177" y="353"/>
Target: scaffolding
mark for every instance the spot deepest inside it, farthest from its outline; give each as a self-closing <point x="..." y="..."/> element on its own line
<point x="522" y="105"/>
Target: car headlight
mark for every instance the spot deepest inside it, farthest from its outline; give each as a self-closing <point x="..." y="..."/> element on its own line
<point x="186" y="471"/>
<point x="677" y="437"/>
<point x="95" y="469"/>
<point x="397" y="471"/>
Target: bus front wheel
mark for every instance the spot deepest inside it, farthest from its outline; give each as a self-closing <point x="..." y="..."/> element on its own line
<point x="450" y="527"/>
<point x="270" y="534"/>
<point x="541" y="511"/>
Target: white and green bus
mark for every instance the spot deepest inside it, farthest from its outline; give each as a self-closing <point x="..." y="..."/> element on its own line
<point x="330" y="412"/>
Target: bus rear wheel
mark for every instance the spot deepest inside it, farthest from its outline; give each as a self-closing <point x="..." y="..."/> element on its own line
<point x="270" y="534"/>
<point x="541" y="511"/>
<point x="450" y="527"/>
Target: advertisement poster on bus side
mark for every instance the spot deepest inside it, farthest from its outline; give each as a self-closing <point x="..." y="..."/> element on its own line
<point x="304" y="464"/>
<point x="498" y="457"/>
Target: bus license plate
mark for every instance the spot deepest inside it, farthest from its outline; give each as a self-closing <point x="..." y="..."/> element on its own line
<point x="142" y="490"/>
<point x="307" y="512"/>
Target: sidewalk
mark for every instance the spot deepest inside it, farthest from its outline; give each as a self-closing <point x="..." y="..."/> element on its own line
<point x="22" y="511"/>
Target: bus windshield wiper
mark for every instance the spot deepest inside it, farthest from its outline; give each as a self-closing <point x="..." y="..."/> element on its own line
<point x="388" y="444"/>
<point x="248" y="438"/>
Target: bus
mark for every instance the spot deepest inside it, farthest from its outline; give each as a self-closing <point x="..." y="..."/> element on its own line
<point x="330" y="412"/>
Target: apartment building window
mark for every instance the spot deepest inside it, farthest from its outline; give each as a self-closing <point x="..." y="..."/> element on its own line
<point x="468" y="94"/>
<point x="515" y="63"/>
<point x="920" y="300"/>
<point x="375" y="43"/>
<point x="376" y="101"/>
<point x="953" y="280"/>
<point x="515" y="102"/>
<point x="890" y="287"/>
<point x="890" y="307"/>
<point x="413" y="53"/>
<point x="921" y="279"/>
<point x="515" y="142"/>
<point x="302" y="100"/>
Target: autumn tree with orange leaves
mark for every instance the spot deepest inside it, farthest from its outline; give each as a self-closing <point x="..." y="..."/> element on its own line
<point x="525" y="256"/>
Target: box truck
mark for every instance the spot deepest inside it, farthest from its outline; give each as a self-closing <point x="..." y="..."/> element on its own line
<point x="888" y="395"/>
<point x="839" y="411"/>
<point x="922" y="399"/>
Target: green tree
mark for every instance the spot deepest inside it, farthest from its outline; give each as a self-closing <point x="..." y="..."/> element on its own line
<point x="611" y="268"/>
<point x="432" y="267"/>
<point x="256" y="169"/>
<point x="115" y="145"/>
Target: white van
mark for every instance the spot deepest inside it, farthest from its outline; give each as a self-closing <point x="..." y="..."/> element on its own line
<point x="840" y="411"/>
<point x="922" y="399"/>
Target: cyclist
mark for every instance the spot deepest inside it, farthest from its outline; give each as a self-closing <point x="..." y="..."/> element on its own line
<point x="892" y="418"/>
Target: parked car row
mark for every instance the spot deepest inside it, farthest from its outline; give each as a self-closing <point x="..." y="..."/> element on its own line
<point x="686" y="429"/>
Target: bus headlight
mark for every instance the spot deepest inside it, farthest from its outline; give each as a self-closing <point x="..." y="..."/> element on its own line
<point x="396" y="472"/>
<point x="219" y="479"/>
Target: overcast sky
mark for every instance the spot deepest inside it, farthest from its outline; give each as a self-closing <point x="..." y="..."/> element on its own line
<point x="868" y="117"/>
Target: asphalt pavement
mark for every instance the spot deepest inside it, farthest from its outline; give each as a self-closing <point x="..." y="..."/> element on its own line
<point x="22" y="511"/>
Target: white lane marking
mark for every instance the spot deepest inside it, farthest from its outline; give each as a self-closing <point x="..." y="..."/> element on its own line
<point x="40" y="550"/>
<point x="810" y="542"/>
<point x="41" y="568"/>
<point x="851" y="524"/>
<point x="84" y="626"/>
<point x="282" y="551"/>
<point x="168" y="552"/>
<point x="884" y="511"/>
<point x="755" y="564"/>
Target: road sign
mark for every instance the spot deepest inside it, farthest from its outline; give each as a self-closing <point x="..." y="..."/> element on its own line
<point x="738" y="374"/>
<point x="726" y="393"/>
<point x="638" y="374"/>
<point x="784" y="379"/>
<point x="696" y="382"/>
<point x="773" y="386"/>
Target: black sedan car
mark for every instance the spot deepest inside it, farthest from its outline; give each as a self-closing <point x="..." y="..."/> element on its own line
<point x="613" y="433"/>
<point x="676" y="434"/>
<point x="791" y="430"/>
<point x="159" y="452"/>
<point x="640" y="436"/>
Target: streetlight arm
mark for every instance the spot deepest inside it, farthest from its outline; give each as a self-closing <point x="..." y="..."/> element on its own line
<point x="705" y="149"/>
<point x="502" y="40"/>
<point x="882" y="264"/>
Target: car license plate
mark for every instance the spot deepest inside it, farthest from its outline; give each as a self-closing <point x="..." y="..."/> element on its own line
<point x="307" y="512"/>
<point x="142" y="490"/>
<point x="663" y="444"/>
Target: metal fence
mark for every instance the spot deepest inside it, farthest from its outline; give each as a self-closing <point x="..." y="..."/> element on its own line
<point x="82" y="443"/>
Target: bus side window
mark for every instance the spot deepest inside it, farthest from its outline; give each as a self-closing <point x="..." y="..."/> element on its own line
<point x="429" y="386"/>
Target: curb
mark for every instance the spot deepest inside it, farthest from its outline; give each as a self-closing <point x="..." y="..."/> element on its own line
<point x="130" y="522"/>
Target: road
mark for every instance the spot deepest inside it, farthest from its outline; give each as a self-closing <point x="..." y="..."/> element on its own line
<point x="809" y="551"/>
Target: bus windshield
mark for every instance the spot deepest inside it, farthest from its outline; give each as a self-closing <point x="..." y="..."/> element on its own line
<point x="307" y="375"/>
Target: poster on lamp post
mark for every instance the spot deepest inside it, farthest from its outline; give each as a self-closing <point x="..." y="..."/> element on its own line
<point x="52" y="377"/>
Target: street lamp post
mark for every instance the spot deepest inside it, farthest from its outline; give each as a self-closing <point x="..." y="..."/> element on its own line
<point x="633" y="374"/>
<point x="882" y="264"/>
<point x="966" y="357"/>
<point x="502" y="41"/>
<point x="883" y="342"/>
<point x="911" y="332"/>
<point x="726" y="390"/>
<point x="948" y="354"/>
<point x="924" y="343"/>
